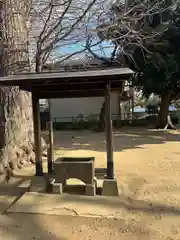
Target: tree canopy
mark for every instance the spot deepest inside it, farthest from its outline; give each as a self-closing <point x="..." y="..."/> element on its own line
<point x="159" y="66"/>
<point x="147" y="39"/>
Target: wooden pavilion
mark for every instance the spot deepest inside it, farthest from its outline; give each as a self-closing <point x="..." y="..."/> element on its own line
<point x="90" y="83"/>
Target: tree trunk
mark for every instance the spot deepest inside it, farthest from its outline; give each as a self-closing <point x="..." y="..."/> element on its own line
<point x="164" y="109"/>
<point x="16" y="107"/>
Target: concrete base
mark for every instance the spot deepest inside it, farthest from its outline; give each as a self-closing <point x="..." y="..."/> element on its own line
<point x="57" y="188"/>
<point x="110" y="187"/>
<point x="25" y="186"/>
<point x="90" y="190"/>
<point x="48" y="182"/>
<point x="37" y="184"/>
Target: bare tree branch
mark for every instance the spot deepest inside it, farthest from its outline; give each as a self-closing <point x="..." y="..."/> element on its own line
<point x="128" y="25"/>
<point x="57" y="23"/>
<point x="57" y="39"/>
<point x="53" y="29"/>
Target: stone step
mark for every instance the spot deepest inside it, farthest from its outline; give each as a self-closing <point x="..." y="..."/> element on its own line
<point x="25" y="185"/>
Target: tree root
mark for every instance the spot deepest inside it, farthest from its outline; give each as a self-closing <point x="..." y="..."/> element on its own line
<point x="18" y="157"/>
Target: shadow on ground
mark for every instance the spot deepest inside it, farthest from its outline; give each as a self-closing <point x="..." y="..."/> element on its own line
<point x="20" y="226"/>
<point x="130" y="204"/>
<point x="35" y="226"/>
<point x="26" y="226"/>
<point x="123" y="139"/>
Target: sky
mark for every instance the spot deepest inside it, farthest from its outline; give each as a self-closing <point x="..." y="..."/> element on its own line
<point x="105" y="49"/>
<point x="96" y="15"/>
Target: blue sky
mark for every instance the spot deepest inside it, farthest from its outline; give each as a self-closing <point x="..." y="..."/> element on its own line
<point x="104" y="49"/>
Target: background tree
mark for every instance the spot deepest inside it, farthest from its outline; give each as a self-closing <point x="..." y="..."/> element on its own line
<point x="130" y="24"/>
<point x="159" y="69"/>
<point x="142" y="33"/>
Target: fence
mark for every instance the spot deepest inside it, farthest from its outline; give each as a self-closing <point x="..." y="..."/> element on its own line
<point x="92" y="121"/>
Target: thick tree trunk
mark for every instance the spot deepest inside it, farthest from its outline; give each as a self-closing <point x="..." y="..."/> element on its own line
<point x="17" y="129"/>
<point x="164" y="109"/>
<point x="16" y="106"/>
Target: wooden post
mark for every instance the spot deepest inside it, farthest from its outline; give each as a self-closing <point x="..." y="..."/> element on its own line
<point x="37" y="134"/>
<point x="50" y="144"/>
<point x="132" y="103"/>
<point x="119" y="109"/>
<point x="109" y="137"/>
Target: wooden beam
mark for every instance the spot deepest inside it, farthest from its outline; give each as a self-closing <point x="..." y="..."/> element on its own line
<point x="76" y="87"/>
<point x="64" y="89"/>
<point x="50" y="155"/>
<point x="74" y="84"/>
<point x="108" y="130"/>
<point x="37" y="134"/>
<point x="73" y="94"/>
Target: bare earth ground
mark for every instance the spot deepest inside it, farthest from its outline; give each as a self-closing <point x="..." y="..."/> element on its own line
<point x="147" y="167"/>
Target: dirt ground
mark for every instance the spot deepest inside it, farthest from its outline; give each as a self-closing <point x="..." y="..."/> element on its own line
<point x="147" y="168"/>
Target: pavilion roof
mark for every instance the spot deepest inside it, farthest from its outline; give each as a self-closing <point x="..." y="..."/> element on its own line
<point x="88" y="83"/>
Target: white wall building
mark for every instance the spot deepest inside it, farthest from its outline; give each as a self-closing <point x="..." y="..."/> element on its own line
<point x="66" y="109"/>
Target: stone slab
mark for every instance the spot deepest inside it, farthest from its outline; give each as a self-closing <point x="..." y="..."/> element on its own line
<point x="25" y="185"/>
<point x="10" y="192"/>
<point x="73" y="205"/>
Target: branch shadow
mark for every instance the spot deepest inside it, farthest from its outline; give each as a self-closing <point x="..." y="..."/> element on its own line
<point x="16" y="225"/>
<point x="127" y="138"/>
<point x="26" y="226"/>
<point x="128" y="203"/>
<point x="29" y="226"/>
<point x="22" y="226"/>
